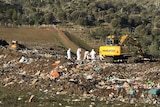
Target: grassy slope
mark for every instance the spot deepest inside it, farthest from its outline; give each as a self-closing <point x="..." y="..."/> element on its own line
<point x="66" y="42"/>
<point x="28" y="34"/>
<point x="79" y="42"/>
<point x="49" y="35"/>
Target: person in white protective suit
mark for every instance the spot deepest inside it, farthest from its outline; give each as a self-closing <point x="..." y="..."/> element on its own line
<point x="101" y="57"/>
<point x="86" y="53"/>
<point x="93" y="53"/>
<point x="69" y="53"/>
<point x="79" y="54"/>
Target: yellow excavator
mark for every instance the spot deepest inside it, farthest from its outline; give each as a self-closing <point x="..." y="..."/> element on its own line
<point x="126" y="49"/>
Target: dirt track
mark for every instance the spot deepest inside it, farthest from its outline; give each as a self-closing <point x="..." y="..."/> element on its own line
<point x="87" y="79"/>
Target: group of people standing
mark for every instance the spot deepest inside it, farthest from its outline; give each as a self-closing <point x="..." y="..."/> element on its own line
<point x="87" y="55"/>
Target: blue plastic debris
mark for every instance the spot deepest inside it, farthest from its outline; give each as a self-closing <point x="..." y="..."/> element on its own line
<point x="97" y="69"/>
<point x="131" y="92"/>
<point x="154" y="91"/>
<point x="118" y="86"/>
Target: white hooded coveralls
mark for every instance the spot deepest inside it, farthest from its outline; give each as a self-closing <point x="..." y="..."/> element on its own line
<point x="86" y="53"/>
<point x="79" y="54"/>
<point x="69" y="53"/>
<point x="93" y="53"/>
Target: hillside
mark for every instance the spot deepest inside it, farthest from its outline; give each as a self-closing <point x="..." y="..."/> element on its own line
<point x="140" y="18"/>
<point x="49" y="35"/>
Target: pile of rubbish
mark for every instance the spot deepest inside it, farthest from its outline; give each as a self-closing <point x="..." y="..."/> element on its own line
<point x="3" y="43"/>
<point x="48" y="70"/>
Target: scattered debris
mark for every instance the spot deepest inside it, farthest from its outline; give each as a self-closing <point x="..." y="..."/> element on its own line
<point x="3" y="43"/>
<point x="30" y="99"/>
<point x="154" y="91"/>
<point x="49" y="71"/>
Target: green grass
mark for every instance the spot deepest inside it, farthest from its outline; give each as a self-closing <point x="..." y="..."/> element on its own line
<point x="77" y="41"/>
<point x="20" y="98"/>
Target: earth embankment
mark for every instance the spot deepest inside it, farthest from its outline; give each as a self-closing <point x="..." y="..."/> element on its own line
<point x="51" y="35"/>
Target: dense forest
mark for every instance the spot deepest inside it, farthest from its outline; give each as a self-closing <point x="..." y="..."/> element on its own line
<point x="137" y="17"/>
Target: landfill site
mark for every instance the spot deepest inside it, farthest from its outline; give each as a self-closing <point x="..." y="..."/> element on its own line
<point x="62" y="82"/>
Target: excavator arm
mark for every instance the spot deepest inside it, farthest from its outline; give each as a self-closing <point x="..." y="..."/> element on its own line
<point x="132" y="43"/>
<point x="127" y="40"/>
